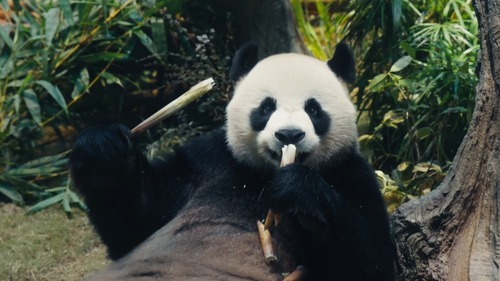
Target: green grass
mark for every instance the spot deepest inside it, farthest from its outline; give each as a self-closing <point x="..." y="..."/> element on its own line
<point x="47" y="245"/>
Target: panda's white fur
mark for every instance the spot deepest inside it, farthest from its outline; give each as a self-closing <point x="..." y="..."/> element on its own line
<point x="290" y="79"/>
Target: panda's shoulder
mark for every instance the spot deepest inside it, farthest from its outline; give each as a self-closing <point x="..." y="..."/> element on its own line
<point x="352" y="173"/>
<point x="207" y="148"/>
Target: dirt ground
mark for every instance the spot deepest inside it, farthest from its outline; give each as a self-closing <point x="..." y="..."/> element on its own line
<point x="47" y="245"/>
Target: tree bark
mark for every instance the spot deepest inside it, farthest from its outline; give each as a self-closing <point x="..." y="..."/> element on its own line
<point x="269" y="24"/>
<point x="453" y="233"/>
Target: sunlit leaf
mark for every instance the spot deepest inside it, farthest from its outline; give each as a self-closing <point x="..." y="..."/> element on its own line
<point x="392" y="118"/>
<point x="376" y="82"/>
<point x="403" y="166"/>
<point x="81" y="83"/>
<point x="401" y="64"/>
<point x="111" y="79"/>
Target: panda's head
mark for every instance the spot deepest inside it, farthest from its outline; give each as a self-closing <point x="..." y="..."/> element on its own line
<point x="290" y="99"/>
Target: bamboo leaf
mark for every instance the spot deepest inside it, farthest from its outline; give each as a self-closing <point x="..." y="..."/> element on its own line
<point x="31" y="101"/>
<point x="46" y="203"/>
<point x="33" y="172"/>
<point x="75" y="199"/>
<point x="406" y="46"/>
<point x="11" y="192"/>
<point x="401" y="64"/>
<point x="44" y="166"/>
<point x="51" y="24"/>
<point x="147" y="42"/>
<point x="159" y="36"/>
<point x="55" y="93"/>
<point x="65" y="204"/>
<point x="423" y="133"/>
<point x="376" y="82"/>
<point x="21" y="184"/>
<point x="104" y="56"/>
<point x="4" y="34"/>
<point x="81" y="83"/>
<point x="52" y="160"/>
<point x="67" y="12"/>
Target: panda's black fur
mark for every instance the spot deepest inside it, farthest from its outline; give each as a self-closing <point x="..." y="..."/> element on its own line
<point x="191" y="215"/>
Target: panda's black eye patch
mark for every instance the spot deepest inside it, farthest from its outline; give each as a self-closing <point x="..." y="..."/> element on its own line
<point x="260" y="115"/>
<point x="312" y="107"/>
<point x="319" y="118"/>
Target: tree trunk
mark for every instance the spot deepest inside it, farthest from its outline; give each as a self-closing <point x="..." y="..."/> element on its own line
<point x="269" y="24"/>
<point x="453" y="233"/>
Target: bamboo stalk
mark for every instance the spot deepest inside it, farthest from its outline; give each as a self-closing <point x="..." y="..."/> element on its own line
<point x="188" y="97"/>
<point x="267" y="244"/>
<point x="288" y="157"/>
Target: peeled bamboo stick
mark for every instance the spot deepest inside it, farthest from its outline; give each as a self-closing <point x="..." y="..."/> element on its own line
<point x="267" y="244"/>
<point x="188" y="97"/>
<point x="288" y="157"/>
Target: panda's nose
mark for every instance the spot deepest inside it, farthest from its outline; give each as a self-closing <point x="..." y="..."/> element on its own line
<point x="289" y="136"/>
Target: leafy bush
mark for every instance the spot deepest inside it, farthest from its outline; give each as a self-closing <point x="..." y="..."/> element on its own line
<point x="51" y="54"/>
<point x="68" y="64"/>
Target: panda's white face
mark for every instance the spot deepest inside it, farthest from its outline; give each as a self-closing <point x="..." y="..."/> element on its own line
<point x="290" y="98"/>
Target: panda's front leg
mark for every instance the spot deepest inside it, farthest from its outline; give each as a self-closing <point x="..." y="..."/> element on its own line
<point x="309" y="206"/>
<point x="300" y="191"/>
<point x="107" y="169"/>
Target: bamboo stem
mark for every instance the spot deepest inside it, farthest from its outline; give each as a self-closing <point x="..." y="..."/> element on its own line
<point x="188" y="97"/>
<point x="267" y="244"/>
<point x="288" y="157"/>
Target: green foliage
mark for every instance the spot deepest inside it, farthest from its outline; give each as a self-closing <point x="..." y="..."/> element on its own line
<point x="420" y="108"/>
<point x="415" y="94"/>
<point x="72" y="63"/>
<point x="321" y="29"/>
<point x="51" y="54"/>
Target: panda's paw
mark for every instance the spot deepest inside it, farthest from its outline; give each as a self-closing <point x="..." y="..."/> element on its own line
<point x="102" y="150"/>
<point x="300" y="191"/>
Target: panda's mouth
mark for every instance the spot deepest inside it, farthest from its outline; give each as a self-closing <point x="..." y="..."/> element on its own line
<point x="276" y="156"/>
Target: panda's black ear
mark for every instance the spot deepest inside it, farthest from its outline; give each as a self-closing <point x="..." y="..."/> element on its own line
<point x="244" y="60"/>
<point x="342" y="63"/>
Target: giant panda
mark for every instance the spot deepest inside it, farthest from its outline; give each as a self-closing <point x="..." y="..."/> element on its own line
<point x="191" y="214"/>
